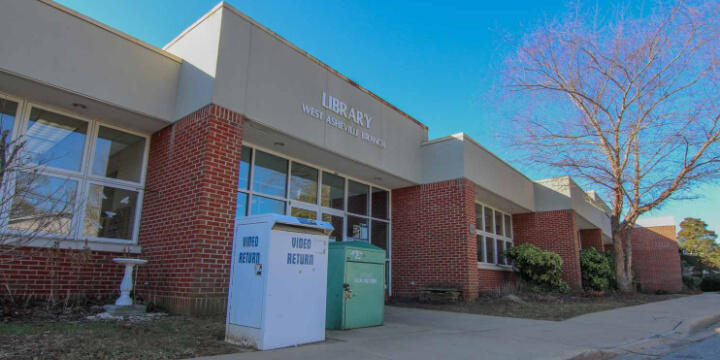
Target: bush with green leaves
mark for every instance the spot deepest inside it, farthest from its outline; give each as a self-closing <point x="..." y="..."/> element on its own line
<point x="541" y="269"/>
<point x="710" y="283"/>
<point x="692" y="282"/>
<point x="595" y="269"/>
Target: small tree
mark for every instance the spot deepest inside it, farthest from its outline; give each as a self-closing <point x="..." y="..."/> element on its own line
<point x="698" y="245"/>
<point x="31" y="204"/>
<point x="626" y="104"/>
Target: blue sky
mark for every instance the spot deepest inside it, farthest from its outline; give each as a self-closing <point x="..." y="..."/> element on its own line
<point x="437" y="61"/>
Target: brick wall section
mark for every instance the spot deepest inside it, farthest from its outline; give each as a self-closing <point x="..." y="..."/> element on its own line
<point x="592" y="238"/>
<point x="555" y="231"/>
<point x="655" y="259"/>
<point x="431" y="240"/>
<point x="494" y="280"/>
<point x="75" y="273"/>
<point x="188" y="211"/>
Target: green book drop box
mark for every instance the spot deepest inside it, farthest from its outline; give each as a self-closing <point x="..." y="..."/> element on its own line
<point x="356" y="285"/>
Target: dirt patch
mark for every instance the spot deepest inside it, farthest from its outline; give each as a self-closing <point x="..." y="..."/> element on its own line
<point x="172" y="337"/>
<point x="554" y="307"/>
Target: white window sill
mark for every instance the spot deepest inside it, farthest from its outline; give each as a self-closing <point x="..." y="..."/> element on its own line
<point x="94" y="245"/>
<point x="486" y="266"/>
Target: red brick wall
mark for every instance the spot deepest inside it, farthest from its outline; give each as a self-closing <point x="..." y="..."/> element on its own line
<point x="592" y="238"/>
<point x="188" y="211"/>
<point x="493" y="280"/>
<point x="555" y="231"/>
<point x="655" y="259"/>
<point x="75" y="273"/>
<point x="431" y="240"/>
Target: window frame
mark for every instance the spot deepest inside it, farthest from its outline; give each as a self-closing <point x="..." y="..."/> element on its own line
<point x="84" y="177"/>
<point x="502" y="237"/>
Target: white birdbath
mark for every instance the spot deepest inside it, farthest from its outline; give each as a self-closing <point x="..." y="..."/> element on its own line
<point x="124" y="304"/>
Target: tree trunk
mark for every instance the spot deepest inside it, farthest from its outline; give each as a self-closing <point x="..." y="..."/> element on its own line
<point x="622" y="277"/>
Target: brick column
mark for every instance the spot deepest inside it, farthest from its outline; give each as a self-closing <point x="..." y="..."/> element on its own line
<point x="555" y="231"/>
<point x="188" y="211"/>
<point x="656" y="259"/>
<point x="592" y="238"/>
<point x="431" y="240"/>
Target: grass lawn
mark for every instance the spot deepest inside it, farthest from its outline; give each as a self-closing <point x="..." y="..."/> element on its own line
<point x="171" y="337"/>
<point x="542" y="306"/>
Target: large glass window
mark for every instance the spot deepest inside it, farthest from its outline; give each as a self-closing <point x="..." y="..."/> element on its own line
<point x="86" y="181"/>
<point x="110" y="212"/>
<point x="356" y="210"/>
<point x="118" y="155"/>
<point x="55" y="140"/>
<point x="493" y="229"/>
<point x="269" y="174"/>
<point x="303" y="183"/>
<point x="358" y="198"/>
<point x="43" y="204"/>
<point x="333" y="191"/>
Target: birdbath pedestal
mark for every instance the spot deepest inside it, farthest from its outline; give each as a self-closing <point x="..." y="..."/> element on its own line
<point x="124" y="305"/>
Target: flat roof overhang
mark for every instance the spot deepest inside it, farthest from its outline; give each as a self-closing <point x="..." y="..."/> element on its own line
<point x="46" y="94"/>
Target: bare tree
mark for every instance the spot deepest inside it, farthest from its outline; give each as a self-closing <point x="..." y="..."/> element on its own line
<point x="32" y="205"/>
<point x="626" y="103"/>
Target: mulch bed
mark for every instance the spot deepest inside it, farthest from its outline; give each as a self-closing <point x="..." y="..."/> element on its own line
<point x="539" y="306"/>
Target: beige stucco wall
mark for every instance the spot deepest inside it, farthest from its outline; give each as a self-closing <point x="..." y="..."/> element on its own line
<point x="51" y="45"/>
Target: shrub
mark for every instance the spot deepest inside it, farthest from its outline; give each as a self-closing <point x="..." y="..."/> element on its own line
<point x="540" y="268"/>
<point x="692" y="282"/>
<point x="612" y="280"/>
<point x="595" y="268"/>
<point x="710" y="283"/>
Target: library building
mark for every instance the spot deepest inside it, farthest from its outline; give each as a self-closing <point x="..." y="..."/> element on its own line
<point x="154" y="153"/>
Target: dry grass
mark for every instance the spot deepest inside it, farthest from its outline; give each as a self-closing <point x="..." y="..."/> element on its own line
<point x="172" y="337"/>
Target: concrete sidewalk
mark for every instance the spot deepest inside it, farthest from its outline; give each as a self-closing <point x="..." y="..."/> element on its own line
<point x="426" y="334"/>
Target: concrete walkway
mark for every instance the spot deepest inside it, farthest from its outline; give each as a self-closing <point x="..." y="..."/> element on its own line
<point x="425" y="334"/>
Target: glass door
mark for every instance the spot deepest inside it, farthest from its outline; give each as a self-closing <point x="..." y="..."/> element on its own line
<point x="336" y="218"/>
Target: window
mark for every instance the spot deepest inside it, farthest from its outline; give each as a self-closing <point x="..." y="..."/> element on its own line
<point x="493" y="230"/>
<point x="244" y="173"/>
<point x="488" y="220"/>
<point x="269" y="174"/>
<point x="8" y="109"/>
<point x="110" y="212"/>
<point x="270" y="183"/>
<point x="55" y="140"/>
<point x="380" y="203"/>
<point x="118" y="155"/>
<point x="303" y="183"/>
<point x="43" y="203"/>
<point x="86" y="181"/>
<point x="358" y="198"/>
<point x="333" y="191"/>
<point x="480" y="248"/>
